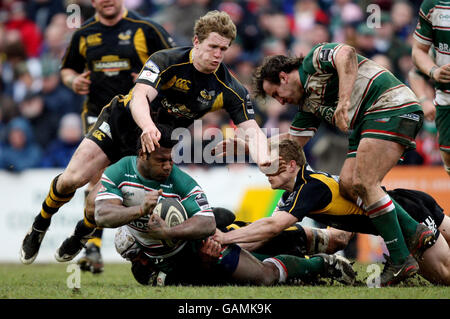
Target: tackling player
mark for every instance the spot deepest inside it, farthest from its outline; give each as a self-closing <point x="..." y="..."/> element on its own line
<point x="103" y="59"/>
<point x="316" y="195"/>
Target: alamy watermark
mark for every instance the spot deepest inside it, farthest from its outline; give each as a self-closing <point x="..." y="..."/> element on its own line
<point x="374" y="19"/>
<point x="73" y="281"/>
<point x="373" y="280"/>
<point x="73" y="20"/>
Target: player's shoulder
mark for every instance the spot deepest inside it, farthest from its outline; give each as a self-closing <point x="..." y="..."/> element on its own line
<point x="428" y="5"/>
<point x="134" y="17"/>
<point x="126" y="166"/>
<point x="88" y="26"/>
<point x="171" y="57"/>
<point x="227" y="78"/>
<point x="182" y="182"/>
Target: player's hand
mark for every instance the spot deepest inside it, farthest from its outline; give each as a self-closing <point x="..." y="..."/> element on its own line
<point x="150" y="201"/>
<point x="234" y="144"/>
<point x="429" y="110"/>
<point x="81" y="83"/>
<point x="210" y="250"/>
<point x="276" y="167"/>
<point x="218" y="236"/>
<point x="442" y="74"/>
<point x="341" y="115"/>
<point x="157" y="227"/>
<point x="150" y="139"/>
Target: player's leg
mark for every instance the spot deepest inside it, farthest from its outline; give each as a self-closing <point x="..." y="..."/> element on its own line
<point x="435" y="265"/>
<point x="443" y="127"/>
<point x="328" y="241"/>
<point x="444" y="228"/>
<point x="92" y="259"/>
<point x="87" y="160"/>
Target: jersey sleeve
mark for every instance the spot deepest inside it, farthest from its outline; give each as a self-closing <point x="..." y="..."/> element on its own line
<point x="73" y="57"/>
<point x="304" y="124"/>
<point x="321" y="59"/>
<point x="154" y="70"/>
<point x="424" y="28"/>
<point x="309" y="197"/>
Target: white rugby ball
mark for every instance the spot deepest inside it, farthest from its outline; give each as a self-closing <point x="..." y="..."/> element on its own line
<point x="172" y="211"/>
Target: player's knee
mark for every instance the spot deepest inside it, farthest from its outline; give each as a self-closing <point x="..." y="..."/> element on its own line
<point x="270" y="275"/>
<point x="72" y="180"/>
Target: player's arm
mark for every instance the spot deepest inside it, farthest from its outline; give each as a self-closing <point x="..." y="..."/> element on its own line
<point x="260" y="230"/>
<point x="423" y="61"/>
<point x="142" y="95"/>
<point x="79" y="83"/>
<point x="424" y="91"/>
<point x="111" y="213"/>
<point x="346" y="64"/>
<point x="196" y="227"/>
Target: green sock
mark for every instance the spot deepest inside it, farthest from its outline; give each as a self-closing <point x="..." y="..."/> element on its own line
<point x="384" y="218"/>
<point x="302" y="268"/>
<point x="407" y="223"/>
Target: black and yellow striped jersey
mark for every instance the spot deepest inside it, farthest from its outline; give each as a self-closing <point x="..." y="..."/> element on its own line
<point x="112" y="53"/>
<point x="185" y="94"/>
<point x="316" y="195"/>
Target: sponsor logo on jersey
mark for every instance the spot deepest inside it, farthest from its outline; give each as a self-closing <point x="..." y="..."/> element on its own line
<point x="148" y="76"/>
<point x="411" y="116"/>
<point x="179" y="110"/>
<point x="94" y="39"/>
<point x="111" y="65"/>
<point x="178" y="84"/>
<point x="201" y="201"/>
<point x="443" y="47"/>
<point x="325" y="55"/>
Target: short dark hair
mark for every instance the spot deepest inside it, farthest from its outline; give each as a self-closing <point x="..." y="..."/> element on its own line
<point x="270" y="70"/>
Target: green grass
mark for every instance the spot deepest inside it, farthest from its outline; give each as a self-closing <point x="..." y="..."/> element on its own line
<point x="49" y="281"/>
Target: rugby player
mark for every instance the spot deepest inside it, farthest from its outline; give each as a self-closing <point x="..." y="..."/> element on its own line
<point x="103" y="59"/>
<point x="175" y="87"/>
<point x="349" y="91"/>
<point x="432" y="30"/>
<point x="316" y="195"/>
<point x="130" y="190"/>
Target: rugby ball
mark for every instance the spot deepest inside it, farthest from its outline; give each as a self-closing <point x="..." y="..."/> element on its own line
<point x="172" y="211"/>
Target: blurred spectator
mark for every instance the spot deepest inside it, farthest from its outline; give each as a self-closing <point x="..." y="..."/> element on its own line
<point x="44" y="123"/>
<point x="60" y="151"/>
<point x="365" y="41"/>
<point x="402" y="19"/>
<point x="42" y="11"/>
<point x="19" y="152"/>
<point x="383" y="60"/>
<point x="29" y="31"/>
<point x="8" y="111"/>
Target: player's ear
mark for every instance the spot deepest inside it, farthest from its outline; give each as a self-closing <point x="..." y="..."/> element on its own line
<point x="283" y="77"/>
<point x="195" y="40"/>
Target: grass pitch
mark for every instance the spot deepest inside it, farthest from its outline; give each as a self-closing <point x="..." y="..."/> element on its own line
<point x="49" y="281"/>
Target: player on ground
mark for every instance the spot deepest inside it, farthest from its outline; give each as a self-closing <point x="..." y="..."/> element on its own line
<point x="432" y="29"/>
<point x="334" y="84"/>
<point x="103" y="59"/>
<point x="175" y="87"/>
<point x="316" y="195"/>
<point x="131" y="189"/>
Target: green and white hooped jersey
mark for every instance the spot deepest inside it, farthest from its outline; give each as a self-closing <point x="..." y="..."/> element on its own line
<point x="123" y="181"/>
<point x="377" y="93"/>
<point x="433" y="28"/>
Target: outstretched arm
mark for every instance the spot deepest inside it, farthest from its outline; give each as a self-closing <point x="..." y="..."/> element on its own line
<point x="196" y="227"/>
<point x="347" y="69"/>
<point x="142" y="95"/>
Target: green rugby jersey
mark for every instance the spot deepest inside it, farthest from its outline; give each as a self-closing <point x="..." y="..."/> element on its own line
<point x="376" y="93"/>
<point x="433" y="28"/>
<point x="123" y="181"/>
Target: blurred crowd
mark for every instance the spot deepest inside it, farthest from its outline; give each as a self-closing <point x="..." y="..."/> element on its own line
<point x="39" y="117"/>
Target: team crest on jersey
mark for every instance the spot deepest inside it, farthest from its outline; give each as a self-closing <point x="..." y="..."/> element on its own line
<point x="124" y="37"/>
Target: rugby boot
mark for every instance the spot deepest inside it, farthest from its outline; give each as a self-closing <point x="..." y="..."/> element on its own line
<point x="338" y="268"/>
<point x="423" y="239"/>
<point x="394" y="274"/>
<point x="92" y="260"/>
<point x="70" y="248"/>
<point x="31" y="244"/>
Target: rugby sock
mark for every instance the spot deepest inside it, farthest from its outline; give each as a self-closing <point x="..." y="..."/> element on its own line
<point x="83" y="230"/>
<point x="407" y="223"/>
<point x="260" y="257"/>
<point x="384" y="217"/>
<point x="295" y="267"/>
<point x="97" y="238"/>
<point x="50" y="206"/>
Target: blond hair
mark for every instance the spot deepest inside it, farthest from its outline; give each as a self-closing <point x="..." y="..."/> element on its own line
<point x="215" y="21"/>
<point x="289" y="150"/>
